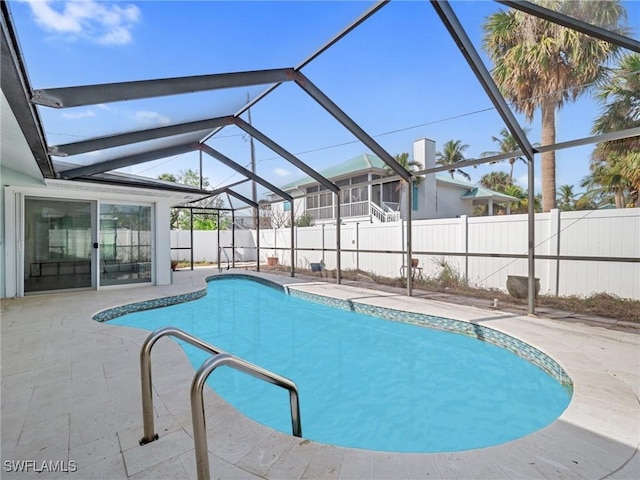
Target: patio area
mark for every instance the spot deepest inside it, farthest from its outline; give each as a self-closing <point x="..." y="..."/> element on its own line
<point x="71" y="395"/>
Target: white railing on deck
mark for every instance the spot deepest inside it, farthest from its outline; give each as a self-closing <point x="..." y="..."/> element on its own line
<point x="383" y="216"/>
<point x="357" y="209"/>
<point x="321" y="213"/>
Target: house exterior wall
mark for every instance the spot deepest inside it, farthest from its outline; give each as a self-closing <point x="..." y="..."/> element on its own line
<point x="424" y="151"/>
<point x="449" y="202"/>
<point x="13" y="201"/>
<point x="8" y="222"/>
<point x="435" y="198"/>
<point x="17" y="167"/>
<point x="277" y="214"/>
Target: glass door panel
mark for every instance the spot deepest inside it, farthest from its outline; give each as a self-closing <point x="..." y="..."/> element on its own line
<point x="57" y="245"/>
<point x="125" y="244"/>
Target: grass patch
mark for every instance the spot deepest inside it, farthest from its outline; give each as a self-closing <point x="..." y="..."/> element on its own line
<point x="601" y="304"/>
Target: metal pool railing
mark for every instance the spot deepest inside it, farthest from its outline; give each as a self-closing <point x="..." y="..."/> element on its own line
<point x="218" y="358"/>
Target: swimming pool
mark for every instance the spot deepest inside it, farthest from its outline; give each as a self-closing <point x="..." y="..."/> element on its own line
<point x="364" y="381"/>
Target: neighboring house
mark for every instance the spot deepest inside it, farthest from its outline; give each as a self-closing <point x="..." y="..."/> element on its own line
<point x="366" y="196"/>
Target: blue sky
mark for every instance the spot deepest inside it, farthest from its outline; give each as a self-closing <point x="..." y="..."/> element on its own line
<point x="399" y="72"/>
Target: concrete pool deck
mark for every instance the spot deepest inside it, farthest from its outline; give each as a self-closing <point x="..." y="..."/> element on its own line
<point x="71" y="394"/>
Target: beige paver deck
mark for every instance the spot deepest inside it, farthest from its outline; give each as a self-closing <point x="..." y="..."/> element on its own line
<point x="71" y="393"/>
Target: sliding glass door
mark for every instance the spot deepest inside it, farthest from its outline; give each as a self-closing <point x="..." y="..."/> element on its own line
<point x="58" y="244"/>
<point x="85" y="244"/>
<point x="125" y="244"/>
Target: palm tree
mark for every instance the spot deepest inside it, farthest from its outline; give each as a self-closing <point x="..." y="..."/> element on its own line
<point x="496" y="181"/>
<point x="605" y="180"/>
<point x="408" y="165"/>
<point x="507" y="144"/>
<point x="539" y="64"/>
<point x="452" y="154"/>
<point x="630" y="168"/>
<point x="566" y="197"/>
<point x="621" y="95"/>
<point x="585" y="202"/>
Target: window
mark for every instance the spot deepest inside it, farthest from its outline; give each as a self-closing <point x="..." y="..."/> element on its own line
<point x="286" y="206"/>
<point x="359" y="179"/>
<point x="391" y="192"/>
<point x="326" y="200"/>
<point x="312" y="201"/>
<point x="414" y="205"/>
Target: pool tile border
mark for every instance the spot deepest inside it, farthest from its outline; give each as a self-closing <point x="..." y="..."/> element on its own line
<point x="111" y="313"/>
<point x="480" y="332"/>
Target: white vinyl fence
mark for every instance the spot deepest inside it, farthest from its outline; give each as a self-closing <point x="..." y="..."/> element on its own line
<point x="205" y="245"/>
<point x="377" y="248"/>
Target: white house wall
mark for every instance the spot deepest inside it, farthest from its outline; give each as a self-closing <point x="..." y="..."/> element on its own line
<point x="59" y="189"/>
<point x="424" y="152"/>
<point x="8" y="223"/>
<point x="449" y="202"/>
<point x="17" y="167"/>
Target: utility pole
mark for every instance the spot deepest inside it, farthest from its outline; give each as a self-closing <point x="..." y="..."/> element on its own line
<point x="254" y="194"/>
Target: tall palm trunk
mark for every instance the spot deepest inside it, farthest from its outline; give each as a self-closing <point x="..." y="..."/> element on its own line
<point x="548" y="165"/>
<point x="512" y="162"/>
<point x="633" y="194"/>
<point x="619" y="196"/>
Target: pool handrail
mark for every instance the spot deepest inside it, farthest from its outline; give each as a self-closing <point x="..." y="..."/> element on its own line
<point x="222" y="249"/>
<point x="219" y="357"/>
<point x="197" y="402"/>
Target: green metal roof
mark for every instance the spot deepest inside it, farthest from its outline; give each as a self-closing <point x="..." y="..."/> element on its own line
<point x="361" y="163"/>
<point x="367" y="162"/>
<point x="482" y="193"/>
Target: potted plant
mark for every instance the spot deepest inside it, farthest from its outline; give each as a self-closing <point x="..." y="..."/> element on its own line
<point x="274" y="219"/>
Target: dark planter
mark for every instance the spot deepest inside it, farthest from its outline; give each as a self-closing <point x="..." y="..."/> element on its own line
<point x="518" y="286"/>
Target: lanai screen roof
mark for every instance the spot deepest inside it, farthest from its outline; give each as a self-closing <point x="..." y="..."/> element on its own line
<point x="195" y="112"/>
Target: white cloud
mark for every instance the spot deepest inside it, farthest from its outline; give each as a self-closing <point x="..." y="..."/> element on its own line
<point x="523" y="181"/>
<point x="281" y="172"/>
<point x="101" y="22"/>
<point x="149" y="119"/>
<point x="77" y="115"/>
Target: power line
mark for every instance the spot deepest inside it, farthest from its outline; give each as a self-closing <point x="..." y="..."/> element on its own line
<point x="454" y="117"/>
<point x="351" y="142"/>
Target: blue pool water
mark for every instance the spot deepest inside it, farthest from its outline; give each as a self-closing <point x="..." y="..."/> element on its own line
<point x="364" y="382"/>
